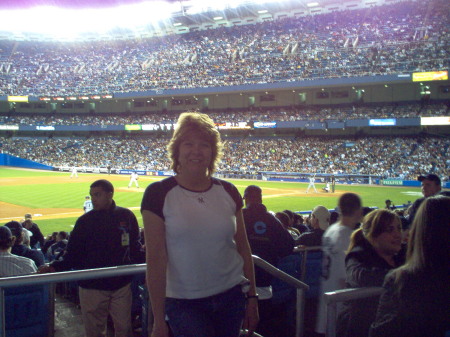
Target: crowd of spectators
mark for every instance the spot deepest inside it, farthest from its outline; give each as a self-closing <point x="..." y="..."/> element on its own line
<point x="403" y="37"/>
<point x="346" y="112"/>
<point x="388" y="157"/>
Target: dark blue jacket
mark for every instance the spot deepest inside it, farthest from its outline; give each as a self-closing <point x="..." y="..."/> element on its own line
<point x="97" y="241"/>
<point x="268" y="239"/>
<point x="364" y="268"/>
<point x="35" y="255"/>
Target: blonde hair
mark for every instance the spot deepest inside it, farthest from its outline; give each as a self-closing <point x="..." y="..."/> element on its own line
<point x="200" y="125"/>
<point x="428" y="247"/>
<point x="373" y="225"/>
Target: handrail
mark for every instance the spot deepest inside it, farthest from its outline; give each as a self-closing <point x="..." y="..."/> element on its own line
<point x="75" y="275"/>
<point x="352" y="294"/>
<point x="292" y="281"/>
<point x="305" y="250"/>
<point x="301" y="248"/>
<point x="85" y="274"/>
<point x="331" y="298"/>
<point x="26" y="280"/>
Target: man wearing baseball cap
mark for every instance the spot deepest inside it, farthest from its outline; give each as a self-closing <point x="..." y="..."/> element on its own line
<point x="19" y="248"/>
<point x="37" y="237"/>
<point x="320" y="221"/>
<point x="431" y="185"/>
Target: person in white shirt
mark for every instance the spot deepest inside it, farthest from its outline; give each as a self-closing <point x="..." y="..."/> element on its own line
<point x="335" y="242"/>
<point x="199" y="263"/>
<point x="10" y="264"/>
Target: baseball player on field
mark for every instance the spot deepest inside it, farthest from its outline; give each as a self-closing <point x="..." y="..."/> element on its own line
<point x="88" y="204"/>
<point x="133" y="179"/>
<point x="312" y="179"/>
<point x="74" y="173"/>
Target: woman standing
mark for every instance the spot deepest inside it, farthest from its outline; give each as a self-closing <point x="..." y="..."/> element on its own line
<point x="416" y="299"/>
<point x="199" y="265"/>
<point x="373" y="251"/>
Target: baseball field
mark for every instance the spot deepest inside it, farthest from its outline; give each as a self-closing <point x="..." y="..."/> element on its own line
<point x="55" y="200"/>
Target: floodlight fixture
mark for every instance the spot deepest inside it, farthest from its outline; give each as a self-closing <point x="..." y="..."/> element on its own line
<point x="263" y="11"/>
<point x="312" y="4"/>
<point x="42" y="20"/>
<point x="217" y="18"/>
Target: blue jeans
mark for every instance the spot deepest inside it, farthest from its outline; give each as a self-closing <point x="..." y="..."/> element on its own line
<point x="219" y="315"/>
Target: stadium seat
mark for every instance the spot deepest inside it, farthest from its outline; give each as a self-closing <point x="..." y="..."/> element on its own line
<point x="284" y="296"/>
<point x="311" y="275"/>
<point x="27" y="311"/>
<point x="282" y="292"/>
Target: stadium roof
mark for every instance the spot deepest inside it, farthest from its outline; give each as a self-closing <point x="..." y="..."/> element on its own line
<point x="21" y="4"/>
<point x="103" y="19"/>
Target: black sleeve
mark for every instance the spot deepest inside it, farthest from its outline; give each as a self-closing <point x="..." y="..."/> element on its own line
<point x="306" y="239"/>
<point x="153" y="199"/>
<point x="361" y="274"/>
<point x="135" y="254"/>
<point x="387" y="322"/>
<point x="39" y="237"/>
<point x="75" y="249"/>
<point x="234" y="193"/>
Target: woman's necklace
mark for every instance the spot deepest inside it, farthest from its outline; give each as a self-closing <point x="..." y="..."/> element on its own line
<point x="198" y="196"/>
<point x="189" y="189"/>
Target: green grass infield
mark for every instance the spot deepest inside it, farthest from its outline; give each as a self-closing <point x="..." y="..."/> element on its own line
<point x="56" y="200"/>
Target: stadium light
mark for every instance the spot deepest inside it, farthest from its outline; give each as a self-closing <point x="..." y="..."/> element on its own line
<point x="203" y="6"/>
<point x="55" y="21"/>
<point x="312" y="4"/>
<point x="127" y="20"/>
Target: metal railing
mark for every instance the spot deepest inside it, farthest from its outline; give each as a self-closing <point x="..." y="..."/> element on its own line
<point x="292" y="281"/>
<point x="333" y="297"/>
<point x="305" y="250"/>
<point x="35" y="279"/>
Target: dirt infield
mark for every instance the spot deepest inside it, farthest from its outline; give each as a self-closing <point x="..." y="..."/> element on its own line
<point x="62" y="179"/>
<point x="16" y="212"/>
<point x="277" y="192"/>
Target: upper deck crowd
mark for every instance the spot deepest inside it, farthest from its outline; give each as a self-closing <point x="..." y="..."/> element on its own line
<point x="410" y="36"/>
